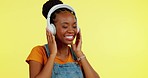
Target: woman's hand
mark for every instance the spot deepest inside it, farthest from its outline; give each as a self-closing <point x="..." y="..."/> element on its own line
<point x="51" y="42"/>
<point x="89" y="72"/>
<point x="77" y="45"/>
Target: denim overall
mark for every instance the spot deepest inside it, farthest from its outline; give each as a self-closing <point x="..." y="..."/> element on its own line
<point x="68" y="70"/>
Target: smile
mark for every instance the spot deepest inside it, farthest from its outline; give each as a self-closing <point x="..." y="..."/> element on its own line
<point x="69" y="37"/>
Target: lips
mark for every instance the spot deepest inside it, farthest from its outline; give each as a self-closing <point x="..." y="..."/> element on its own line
<point x="69" y="37"/>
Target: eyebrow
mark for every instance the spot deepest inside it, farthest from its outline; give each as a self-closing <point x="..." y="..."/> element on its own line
<point x="68" y="23"/>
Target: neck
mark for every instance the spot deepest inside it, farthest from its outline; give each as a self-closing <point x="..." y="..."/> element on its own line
<point x="62" y="49"/>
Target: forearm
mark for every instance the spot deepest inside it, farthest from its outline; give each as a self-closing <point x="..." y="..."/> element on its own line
<point x="89" y="72"/>
<point x="46" y="72"/>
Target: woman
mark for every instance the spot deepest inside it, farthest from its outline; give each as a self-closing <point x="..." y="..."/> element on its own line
<point x="57" y="59"/>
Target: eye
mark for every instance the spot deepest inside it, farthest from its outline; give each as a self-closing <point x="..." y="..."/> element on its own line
<point x="64" y="26"/>
<point x="74" y="26"/>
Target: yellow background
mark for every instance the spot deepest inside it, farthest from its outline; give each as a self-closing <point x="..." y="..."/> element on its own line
<point x="115" y="35"/>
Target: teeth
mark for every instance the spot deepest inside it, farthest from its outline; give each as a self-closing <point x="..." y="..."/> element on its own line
<point x="70" y="37"/>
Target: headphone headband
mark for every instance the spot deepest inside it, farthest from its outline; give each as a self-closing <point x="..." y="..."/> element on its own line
<point x="54" y="8"/>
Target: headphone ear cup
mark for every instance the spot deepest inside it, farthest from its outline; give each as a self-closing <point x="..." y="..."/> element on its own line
<point x="52" y="29"/>
<point x="78" y="29"/>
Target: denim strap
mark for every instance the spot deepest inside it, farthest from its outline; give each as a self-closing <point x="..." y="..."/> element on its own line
<point x="71" y="50"/>
<point x="47" y="50"/>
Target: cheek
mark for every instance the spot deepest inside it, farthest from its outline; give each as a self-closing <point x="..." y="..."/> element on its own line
<point x="60" y="32"/>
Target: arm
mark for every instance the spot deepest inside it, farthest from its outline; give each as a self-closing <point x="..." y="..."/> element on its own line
<point x="36" y="69"/>
<point x="88" y="71"/>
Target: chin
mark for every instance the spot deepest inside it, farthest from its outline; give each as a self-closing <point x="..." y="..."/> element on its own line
<point x="69" y="42"/>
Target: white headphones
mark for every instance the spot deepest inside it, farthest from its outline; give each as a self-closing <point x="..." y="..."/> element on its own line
<point x="51" y="26"/>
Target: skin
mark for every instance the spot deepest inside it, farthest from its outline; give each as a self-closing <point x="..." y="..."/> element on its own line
<point x="65" y="23"/>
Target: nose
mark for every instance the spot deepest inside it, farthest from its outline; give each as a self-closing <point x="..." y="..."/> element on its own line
<point x="71" y="30"/>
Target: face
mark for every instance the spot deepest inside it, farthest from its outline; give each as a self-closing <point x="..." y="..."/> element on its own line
<point x="66" y="27"/>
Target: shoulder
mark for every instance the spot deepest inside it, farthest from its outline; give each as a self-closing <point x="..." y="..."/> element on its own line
<point x="38" y="49"/>
<point x="37" y="54"/>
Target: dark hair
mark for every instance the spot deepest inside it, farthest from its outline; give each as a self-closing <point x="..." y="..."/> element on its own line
<point x="48" y="5"/>
<point x="53" y="15"/>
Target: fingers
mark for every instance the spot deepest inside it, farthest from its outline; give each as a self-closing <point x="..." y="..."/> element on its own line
<point x="78" y="43"/>
<point x="50" y="37"/>
<point x="78" y="38"/>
